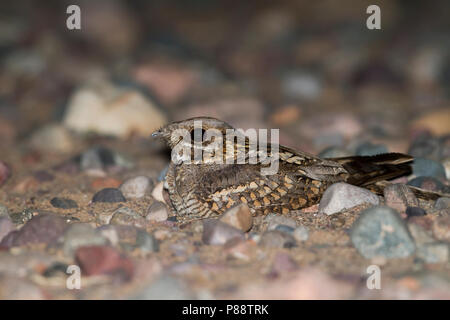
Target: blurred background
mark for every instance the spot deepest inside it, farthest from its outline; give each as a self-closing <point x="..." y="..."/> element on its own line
<point x="311" y="68"/>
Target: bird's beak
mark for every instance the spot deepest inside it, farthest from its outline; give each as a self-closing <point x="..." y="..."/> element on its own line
<point x="156" y="134"/>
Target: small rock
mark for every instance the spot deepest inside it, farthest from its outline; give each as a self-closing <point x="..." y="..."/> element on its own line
<point x="79" y="235"/>
<point x="427" y="183"/>
<point x="284" y="228"/>
<point x="441" y="203"/>
<point x="4" y="212"/>
<point x="415" y="212"/>
<point x="109" y="195"/>
<point x="239" y="217"/>
<point x="300" y="84"/>
<point x="23" y="216"/>
<point x="341" y="196"/>
<point x="63" y="203"/>
<point x="277" y="239"/>
<point x="216" y="232"/>
<point x="136" y="187"/>
<point x="146" y="242"/>
<point x="426" y="146"/>
<point x="157" y="212"/>
<point x="433" y="252"/>
<point x="6" y="226"/>
<point x="399" y="197"/>
<point x="43" y="228"/>
<point x="419" y="234"/>
<point x="53" y="138"/>
<point x="441" y="228"/>
<point x="127" y="216"/>
<point x="106" y="109"/>
<point x="380" y="231"/>
<point x="428" y="168"/>
<point x="273" y="220"/>
<point x="97" y="260"/>
<point x="301" y="233"/>
<point x="369" y="149"/>
<point x="5" y="172"/>
<point x="157" y="192"/>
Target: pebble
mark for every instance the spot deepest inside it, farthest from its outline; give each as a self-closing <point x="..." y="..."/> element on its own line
<point x="107" y="109"/>
<point x="164" y="288"/>
<point x="427" y="183"/>
<point x="43" y="228"/>
<point x="135" y="188"/>
<point x="425" y="146"/>
<point x="334" y="152"/>
<point x="277" y="239"/>
<point x="216" y="232"/>
<point x="380" y="231"/>
<point x="6" y="226"/>
<point x="441" y="228"/>
<point x="433" y="252"/>
<point x="52" y="138"/>
<point x="415" y="212"/>
<point x="5" y="172"/>
<point x="284" y="228"/>
<point x="127" y="216"/>
<point x="4" y="212"/>
<point x="63" y="203"/>
<point x="441" y="203"/>
<point x="398" y="196"/>
<point x="273" y="220"/>
<point x="157" y="212"/>
<point x="79" y="235"/>
<point x="301" y="84"/>
<point x="301" y="233"/>
<point x="157" y="192"/>
<point x="428" y="168"/>
<point x="23" y="216"/>
<point x="239" y="217"/>
<point x="109" y="195"/>
<point x="341" y="196"/>
<point x="146" y="242"/>
<point x="98" y="260"/>
<point x="369" y="149"/>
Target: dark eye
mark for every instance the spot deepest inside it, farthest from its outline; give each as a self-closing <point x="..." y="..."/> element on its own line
<point x="197" y="134"/>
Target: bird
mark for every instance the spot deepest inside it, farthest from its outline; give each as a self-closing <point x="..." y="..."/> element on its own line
<point x="209" y="185"/>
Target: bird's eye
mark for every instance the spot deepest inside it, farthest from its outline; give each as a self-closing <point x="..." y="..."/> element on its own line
<point x="197" y="134"/>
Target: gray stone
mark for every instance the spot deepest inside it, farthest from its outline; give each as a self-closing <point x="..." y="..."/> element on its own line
<point x="109" y="195"/>
<point x="216" y="232"/>
<point x="399" y="196"/>
<point x="146" y="242"/>
<point x="157" y="212"/>
<point x="137" y="187"/>
<point x="239" y="217"/>
<point x="273" y="220"/>
<point x="4" y="212"/>
<point x="127" y="216"/>
<point x="6" y="226"/>
<point x="277" y="239"/>
<point x="427" y="183"/>
<point x="63" y="203"/>
<point x="79" y="235"/>
<point x="380" y="231"/>
<point x="341" y="196"/>
<point x="301" y="233"/>
<point x="428" y="168"/>
<point x="433" y="252"/>
<point x="442" y="203"/>
<point x="415" y="212"/>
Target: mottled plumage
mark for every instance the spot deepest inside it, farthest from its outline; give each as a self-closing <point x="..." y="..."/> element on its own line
<point x="209" y="189"/>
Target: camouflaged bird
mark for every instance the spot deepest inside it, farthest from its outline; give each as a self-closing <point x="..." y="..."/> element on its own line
<point x="205" y="189"/>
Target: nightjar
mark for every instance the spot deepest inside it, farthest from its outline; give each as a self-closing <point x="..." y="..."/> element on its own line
<point x="209" y="184"/>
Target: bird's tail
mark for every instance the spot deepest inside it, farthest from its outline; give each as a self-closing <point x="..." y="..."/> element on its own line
<point x="373" y="171"/>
